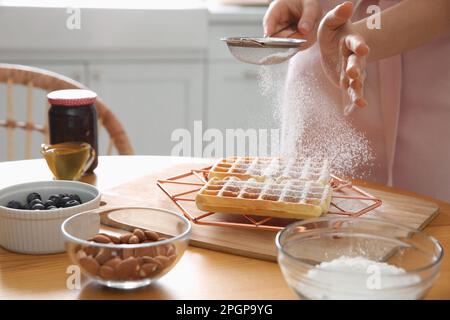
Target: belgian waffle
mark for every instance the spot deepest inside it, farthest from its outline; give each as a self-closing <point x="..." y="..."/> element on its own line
<point x="261" y="169"/>
<point x="284" y="199"/>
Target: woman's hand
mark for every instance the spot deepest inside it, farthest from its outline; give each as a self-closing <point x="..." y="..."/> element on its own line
<point x="302" y="15"/>
<point x="344" y="53"/>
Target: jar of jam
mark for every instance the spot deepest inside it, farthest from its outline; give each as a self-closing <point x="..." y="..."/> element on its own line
<point x="73" y="118"/>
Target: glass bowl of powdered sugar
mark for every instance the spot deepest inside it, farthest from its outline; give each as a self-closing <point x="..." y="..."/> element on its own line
<point x="357" y="258"/>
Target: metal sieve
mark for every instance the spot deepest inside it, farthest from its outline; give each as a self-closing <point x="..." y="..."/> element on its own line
<point x="263" y="51"/>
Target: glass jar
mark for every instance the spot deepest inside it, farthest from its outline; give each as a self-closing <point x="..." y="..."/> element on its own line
<point x="73" y="118"/>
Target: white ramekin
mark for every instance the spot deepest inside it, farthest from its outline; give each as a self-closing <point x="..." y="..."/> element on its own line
<point x="39" y="232"/>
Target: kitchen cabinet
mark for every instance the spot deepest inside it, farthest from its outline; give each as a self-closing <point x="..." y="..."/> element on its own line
<point x="151" y="99"/>
<point x="234" y="98"/>
<point x="153" y="83"/>
<point x="235" y="102"/>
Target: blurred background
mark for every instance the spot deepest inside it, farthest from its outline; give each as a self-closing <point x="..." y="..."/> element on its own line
<point x="158" y="65"/>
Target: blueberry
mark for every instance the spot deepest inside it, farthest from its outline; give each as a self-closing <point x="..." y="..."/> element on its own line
<point x="49" y="203"/>
<point x="32" y="196"/>
<point x="38" y="206"/>
<point x="56" y="199"/>
<point x="64" y="200"/>
<point x="14" y="205"/>
<point x="75" y="197"/>
<point x="51" y="208"/>
<point x="32" y="203"/>
<point x="71" y="203"/>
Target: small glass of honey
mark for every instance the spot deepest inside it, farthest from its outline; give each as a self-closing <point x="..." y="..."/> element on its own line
<point x="68" y="160"/>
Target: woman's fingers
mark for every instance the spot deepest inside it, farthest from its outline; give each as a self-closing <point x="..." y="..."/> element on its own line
<point x="344" y="81"/>
<point x="289" y="31"/>
<point x="350" y="56"/>
<point x="344" y="53"/>
<point x="343" y="77"/>
<point x="338" y="16"/>
<point x="355" y="84"/>
<point x="357" y="96"/>
<point x="355" y="70"/>
<point x="302" y="15"/>
<point x="275" y="18"/>
<point x="311" y="12"/>
<point x="357" y="45"/>
<point x="355" y="64"/>
<point x="356" y="50"/>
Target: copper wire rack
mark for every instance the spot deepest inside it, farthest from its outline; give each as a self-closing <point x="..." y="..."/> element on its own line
<point x="347" y="200"/>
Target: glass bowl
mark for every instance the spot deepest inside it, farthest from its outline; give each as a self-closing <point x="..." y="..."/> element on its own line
<point x="357" y="258"/>
<point x="126" y="247"/>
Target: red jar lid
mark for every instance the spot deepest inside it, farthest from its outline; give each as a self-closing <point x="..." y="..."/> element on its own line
<point x="71" y="97"/>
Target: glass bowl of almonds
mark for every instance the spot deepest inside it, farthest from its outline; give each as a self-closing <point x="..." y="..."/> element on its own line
<point x="126" y="247"/>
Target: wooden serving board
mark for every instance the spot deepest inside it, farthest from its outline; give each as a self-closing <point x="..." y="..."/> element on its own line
<point x="409" y="211"/>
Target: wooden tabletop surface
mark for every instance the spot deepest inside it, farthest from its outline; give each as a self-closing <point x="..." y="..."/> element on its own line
<point x="200" y="274"/>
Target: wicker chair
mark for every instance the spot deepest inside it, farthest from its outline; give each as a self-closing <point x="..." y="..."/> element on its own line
<point x="31" y="77"/>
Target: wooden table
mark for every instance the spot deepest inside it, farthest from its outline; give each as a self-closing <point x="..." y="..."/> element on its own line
<point x="201" y="274"/>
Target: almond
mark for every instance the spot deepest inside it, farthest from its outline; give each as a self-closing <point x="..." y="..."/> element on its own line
<point x="91" y="250"/>
<point x="113" y="262"/>
<point x="152" y="260"/>
<point x="103" y="255"/>
<point x="161" y="250"/>
<point x="127" y="269"/>
<point x="90" y="265"/>
<point x="125" y="237"/>
<point x="101" y="238"/>
<point x="133" y="240"/>
<point x="170" y="250"/>
<point x="106" y="272"/>
<point x="114" y="239"/>
<point x="126" y="253"/>
<point x="146" y="251"/>
<point x="80" y="254"/>
<point x="148" y="269"/>
<point x="164" y="261"/>
<point x="150" y="235"/>
<point x="140" y="234"/>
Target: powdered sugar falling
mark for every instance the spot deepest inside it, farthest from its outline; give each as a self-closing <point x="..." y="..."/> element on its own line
<point x="311" y="124"/>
